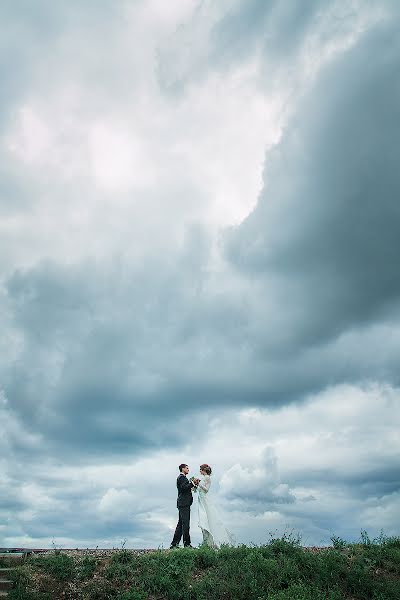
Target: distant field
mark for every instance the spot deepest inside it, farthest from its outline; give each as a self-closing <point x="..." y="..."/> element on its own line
<point x="279" y="570"/>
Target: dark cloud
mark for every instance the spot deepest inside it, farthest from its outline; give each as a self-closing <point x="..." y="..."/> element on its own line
<point x="361" y="483"/>
<point x="278" y="28"/>
<point x="324" y="235"/>
<point x="287" y="39"/>
<point x="107" y="359"/>
<point x="220" y="39"/>
<point x="84" y="373"/>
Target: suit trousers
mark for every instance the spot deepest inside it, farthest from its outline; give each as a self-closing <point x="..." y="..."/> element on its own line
<point x="182" y="527"/>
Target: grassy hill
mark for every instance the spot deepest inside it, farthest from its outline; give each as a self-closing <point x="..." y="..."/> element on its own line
<point x="279" y="570"/>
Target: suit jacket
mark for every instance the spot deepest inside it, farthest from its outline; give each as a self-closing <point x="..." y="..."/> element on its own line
<point x="184" y="486"/>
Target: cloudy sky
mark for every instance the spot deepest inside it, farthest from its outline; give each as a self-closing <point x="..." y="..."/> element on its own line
<point x="199" y="262"/>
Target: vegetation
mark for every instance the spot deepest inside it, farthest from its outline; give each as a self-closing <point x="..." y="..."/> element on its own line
<point x="279" y="570"/>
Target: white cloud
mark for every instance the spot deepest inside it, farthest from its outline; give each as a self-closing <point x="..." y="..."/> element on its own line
<point x="118" y="161"/>
<point x="116" y="503"/>
<point x="32" y="137"/>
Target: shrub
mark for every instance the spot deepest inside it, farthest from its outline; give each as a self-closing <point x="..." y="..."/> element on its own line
<point x="60" y="566"/>
<point x="132" y="595"/>
<point x="338" y="542"/>
<point x="205" y="557"/>
<point x="302" y="591"/>
<point x="86" y="568"/>
<point x="22" y="589"/>
<point x="124" y="557"/>
<point x="98" y="589"/>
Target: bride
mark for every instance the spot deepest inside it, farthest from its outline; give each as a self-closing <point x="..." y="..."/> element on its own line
<point x="214" y="531"/>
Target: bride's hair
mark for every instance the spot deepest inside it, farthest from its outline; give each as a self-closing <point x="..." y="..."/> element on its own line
<point x="206" y="468"/>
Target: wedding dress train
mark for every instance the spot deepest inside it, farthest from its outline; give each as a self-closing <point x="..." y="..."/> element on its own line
<point x="214" y="531"/>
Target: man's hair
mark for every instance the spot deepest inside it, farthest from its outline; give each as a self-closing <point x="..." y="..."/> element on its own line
<point x="182" y="466"/>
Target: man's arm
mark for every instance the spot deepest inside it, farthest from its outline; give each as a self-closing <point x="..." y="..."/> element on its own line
<point x="184" y="485"/>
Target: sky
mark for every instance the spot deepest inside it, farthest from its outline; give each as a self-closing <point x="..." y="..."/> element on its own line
<point x="199" y="250"/>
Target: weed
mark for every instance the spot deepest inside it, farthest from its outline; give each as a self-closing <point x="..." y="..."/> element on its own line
<point x="278" y="570"/>
<point x="338" y="542"/>
<point x="301" y="591"/>
<point x="365" y="540"/>
<point x="86" y="568"/>
<point x="98" y="589"/>
<point x="205" y="557"/>
<point x="124" y="557"/>
<point x="23" y="586"/>
<point x="132" y="595"/>
<point x="60" y="566"/>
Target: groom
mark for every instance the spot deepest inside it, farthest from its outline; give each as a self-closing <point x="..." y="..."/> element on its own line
<point x="184" y="502"/>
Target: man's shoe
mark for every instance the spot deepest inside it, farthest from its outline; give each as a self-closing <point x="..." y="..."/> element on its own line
<point x="172" y="546"/>
<point x="189" y="546"/>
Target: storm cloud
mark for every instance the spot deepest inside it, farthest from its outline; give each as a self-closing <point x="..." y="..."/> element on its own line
<point x="199" y="262"/>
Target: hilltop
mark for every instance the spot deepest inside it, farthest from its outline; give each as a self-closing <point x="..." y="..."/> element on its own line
<point x="279" y="570"/>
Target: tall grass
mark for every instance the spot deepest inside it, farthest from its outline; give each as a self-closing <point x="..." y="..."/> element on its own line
<point x="278" y="570"/>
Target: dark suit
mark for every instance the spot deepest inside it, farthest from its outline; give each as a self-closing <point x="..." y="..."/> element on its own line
<point x="184" y="502"/>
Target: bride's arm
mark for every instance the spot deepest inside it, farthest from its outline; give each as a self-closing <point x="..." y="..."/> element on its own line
<point x="205" y="483"/>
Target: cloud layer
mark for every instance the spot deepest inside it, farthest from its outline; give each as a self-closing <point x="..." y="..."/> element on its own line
<point x="199" y="234"/>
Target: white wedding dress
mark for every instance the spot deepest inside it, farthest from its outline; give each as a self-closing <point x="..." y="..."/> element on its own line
<point x="214" y="531"/>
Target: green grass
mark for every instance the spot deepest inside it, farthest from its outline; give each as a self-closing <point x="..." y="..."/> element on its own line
<point x="279" y="570"/>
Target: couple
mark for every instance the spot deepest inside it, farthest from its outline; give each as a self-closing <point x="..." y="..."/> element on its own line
<point x="214" y="531"/>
